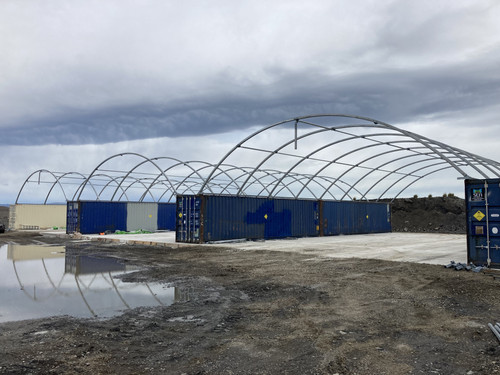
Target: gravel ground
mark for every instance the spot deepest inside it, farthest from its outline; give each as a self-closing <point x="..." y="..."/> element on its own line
<point x="265" y="312"/>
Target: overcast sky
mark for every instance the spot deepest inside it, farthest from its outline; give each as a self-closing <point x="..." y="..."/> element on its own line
<point x="82" y="80"/>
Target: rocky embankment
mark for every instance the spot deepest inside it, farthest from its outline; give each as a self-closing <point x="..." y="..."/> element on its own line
<point x="444" y="214"/>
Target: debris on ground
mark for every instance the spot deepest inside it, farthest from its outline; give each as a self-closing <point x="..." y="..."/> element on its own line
<point x="495" y="329"/>
<point x="464" y="266"/>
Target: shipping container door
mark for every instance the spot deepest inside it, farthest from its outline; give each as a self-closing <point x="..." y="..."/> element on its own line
<point x="188" y="228"/>
<point x="71" y="217"/>
<point x="142" y="216"/>
<point x="483" y="221"/>
<point x="166" y="216"/>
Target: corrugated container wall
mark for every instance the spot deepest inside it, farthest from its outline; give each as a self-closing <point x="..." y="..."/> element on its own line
<point x="483" y="221"/>
<point x="206" y="218"/>
<point x="255" y="218"/>
<point x="37" y="216"/>
<point x="166" y="216"/>
<point x="142" y="216"/>
<point x="354" y="217"/>
<point x="98" y="217"/>
<point x="89" y="217"/>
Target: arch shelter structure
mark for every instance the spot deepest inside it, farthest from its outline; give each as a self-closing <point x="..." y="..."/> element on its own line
<point x="328" y="156"/>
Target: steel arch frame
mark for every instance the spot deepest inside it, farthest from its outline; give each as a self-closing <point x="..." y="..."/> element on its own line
<point x="57" y="181"/>
<point x="454" y="158"/>
<point x="415" y="157"/>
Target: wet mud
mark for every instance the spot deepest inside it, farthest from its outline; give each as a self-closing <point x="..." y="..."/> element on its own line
<point x="265" y="312"/>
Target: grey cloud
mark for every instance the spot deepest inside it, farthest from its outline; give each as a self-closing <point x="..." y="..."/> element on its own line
<point x="393" y="96"/>
<point x="397" y="65"/>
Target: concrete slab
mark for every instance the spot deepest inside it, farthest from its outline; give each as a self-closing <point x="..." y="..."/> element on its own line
<point x="404" y="247"/>
<point x="432" y="248"/>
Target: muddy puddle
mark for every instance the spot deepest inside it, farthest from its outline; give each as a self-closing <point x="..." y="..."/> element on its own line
<point x="39" y="281"/>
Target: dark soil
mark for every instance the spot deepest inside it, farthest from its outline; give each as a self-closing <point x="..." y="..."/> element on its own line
<point x="267" y="312"/>
<point x="433" y="214"/>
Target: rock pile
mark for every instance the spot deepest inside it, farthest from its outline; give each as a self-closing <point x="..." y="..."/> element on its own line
<point x="444" y="214"/>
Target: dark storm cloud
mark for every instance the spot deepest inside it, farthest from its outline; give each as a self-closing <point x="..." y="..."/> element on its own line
<point x="171" y="70"/>
<point x="394" y="96"/>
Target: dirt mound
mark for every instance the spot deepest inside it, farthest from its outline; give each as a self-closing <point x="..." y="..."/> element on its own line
<point x="444" y="214"/>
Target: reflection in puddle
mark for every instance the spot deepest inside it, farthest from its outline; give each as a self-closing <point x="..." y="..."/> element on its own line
<point x="42" y="281"/>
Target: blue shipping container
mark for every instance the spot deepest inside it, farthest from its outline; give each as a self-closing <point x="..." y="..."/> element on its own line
<point x="166" y="216"/>
<point x="228" y="217"/>
<point x="483" y="221"/>
<point x="99" y="217"/>
<point x="208" y="218"/>
<point x="96" y="216"/>
<point x="89" y="217"/>
<point x="344" y="217"/>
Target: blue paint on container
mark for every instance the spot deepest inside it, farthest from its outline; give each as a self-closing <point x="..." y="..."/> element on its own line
<point x="207" y="218"/>
<point x="230" y="217"/>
